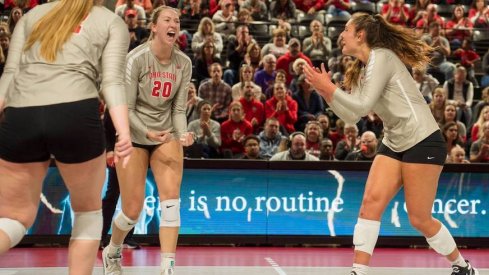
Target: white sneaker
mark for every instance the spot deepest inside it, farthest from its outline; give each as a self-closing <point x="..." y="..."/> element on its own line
<point x="168" y="271"/>
<point x="111" y="266"/>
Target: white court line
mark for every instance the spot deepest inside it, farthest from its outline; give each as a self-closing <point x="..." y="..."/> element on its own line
<point x="275" y="266"/>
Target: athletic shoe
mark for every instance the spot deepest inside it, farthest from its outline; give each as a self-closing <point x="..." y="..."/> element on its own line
<point x="111" y="266"/>
<point x="168" y="271"/>
<point x="131" y="244"/>
<point x="468" y="270"/>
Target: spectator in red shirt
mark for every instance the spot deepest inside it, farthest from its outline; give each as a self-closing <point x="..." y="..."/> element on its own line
<point x="458" y="27"/>
<point x="431" y="15"/>
<point x="282" y="107"/>
<point x="253" y="109"/>
<point x="395" y="12"/>
<point x="233" y="132"/>
<point x="286" y="61"/>
<point x="468" y="57"/>
<point x="309" y="6"/>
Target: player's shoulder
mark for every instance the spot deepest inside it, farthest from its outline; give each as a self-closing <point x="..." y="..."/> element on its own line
<point x="181" y="58"/>
<point x="139" y="52"/>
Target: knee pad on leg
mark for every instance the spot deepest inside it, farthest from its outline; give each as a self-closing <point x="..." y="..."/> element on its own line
<point x="124" y="223"/>
<point x="170" y="213"/>
<point x="442" y="242"/>
<point x="87" y="225"/>
<point x="14" y="230"/>
<point x="365" y="235"/>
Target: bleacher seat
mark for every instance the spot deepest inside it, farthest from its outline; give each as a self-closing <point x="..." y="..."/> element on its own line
<point x="481" y="41"/>
<point x="335" y="20"/>
<point x="368" y="7"/>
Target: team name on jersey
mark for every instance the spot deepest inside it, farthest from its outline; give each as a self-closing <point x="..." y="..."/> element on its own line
<point x="166" y="75"/>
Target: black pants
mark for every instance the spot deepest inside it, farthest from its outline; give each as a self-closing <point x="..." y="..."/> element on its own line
<point x="109" y="203"/>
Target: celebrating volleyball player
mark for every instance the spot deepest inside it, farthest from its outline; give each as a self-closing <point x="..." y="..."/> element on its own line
<point x="412" y="152"/>
<point x="49" y="96"/>
<point x="157" y="79"/>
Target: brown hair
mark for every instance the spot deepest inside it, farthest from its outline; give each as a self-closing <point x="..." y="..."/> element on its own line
<point x="380" y="34"/>
<point x="156" y="13"/>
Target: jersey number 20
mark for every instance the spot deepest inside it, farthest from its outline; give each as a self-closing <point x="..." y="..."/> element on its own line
<point x="165" y="88"/>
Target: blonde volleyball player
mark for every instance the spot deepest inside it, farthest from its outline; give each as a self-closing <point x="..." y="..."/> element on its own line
<point x="412" y="152"/>
<point x="157" y="78"/>
<point x="49" y="97"/>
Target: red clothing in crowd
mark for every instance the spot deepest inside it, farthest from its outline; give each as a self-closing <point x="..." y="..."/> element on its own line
<point x="10" y="4"/>
<point x="286" y="118"/>
<point x="306" y="5"/>
<point x="285" y="63"/>
<point x="395" y="17"/>
<point x="227" y="129"/>
<point x="253" y="109"/>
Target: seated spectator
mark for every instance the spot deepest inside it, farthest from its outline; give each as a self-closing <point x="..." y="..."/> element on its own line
<point x="15" y="14"/>
<point x="309" y="6"/>
<point x="395" y="12"/>
<point x="193" y="101"/>
<point x="278" y="47"/>
<point x="479" y="150"/>
<point x="461" y="91"/>
<point x="429" y="17"/>
<point x="338" y="133"/>
<point x="252" y="56"/>
<point x="283" y="9"/>
<point x="285" y="61"/>
<point x="476" y="131"/>
<point x="338" y="7"/>
<point x="207" y="134"/>
<point x="451" y="134"/>
<point x="270" y="138"/>
<point x="217" y="92"/>
<point x="24" y="5"/>
<point x="190" y="9"/>
<point x="314" y="135"/>
<point x="373" y="123"/>
<point x="4" y="27"/>
<point x="298" y="70"/>
<point x="368" y="148"/>
<point x="426" y="83"/>
<point x="468" y="57"/>
<point x="479" y="14"/>
<point x="251" y="145"/>
<point x="296" y="149"/>
<point x="233" y="132"/>
<point x="350" y="143"/>
<point x="206" y="32"/>
<point x="324" y="123"/>
<point x="417" y="10"/>
<point x="246" y="75"/>
<point x="236" y="51"/>
<point x="253" y="109"/>
<point x="146" y="4"/>
<point x="5" y="43"/>
<point x="457" y="155"/>
<point x="225" y="18"/>
<point x="310" y="104"/>
<point x="439" y="63"/>
<point x="130" y="5"/>
<point x="257" y="8"/>
<point x="244" y="17"/>
<point x="484" y="101"/>
<point x="326" y="150"/>
<point x="266" y="76"/>
<point x="437" y="106"/>
<point x="210" y="7"/>
<point x="339" y="71"/>
<point x="207" y="57"/>
<point x="450" y="115"/>
<point x="283" y="107"/>
<point x="458" y="28"/>
<point x="137" y="34"/>
<point x="485" y="70"/>
<point x="280" y="77"/>
<point x="317" y="46"/>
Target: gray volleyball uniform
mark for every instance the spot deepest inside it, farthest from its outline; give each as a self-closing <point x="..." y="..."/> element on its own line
<point x="156" y="93"/>
<point x="387" y="88"/>
<point x="98" y="46"/>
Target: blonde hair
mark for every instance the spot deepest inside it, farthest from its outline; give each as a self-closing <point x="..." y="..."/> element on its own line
<point x="380" y="34"/>
<point x="156" y="13"/>
<point x="57" y="26"/>
<point x="480" y="121"/>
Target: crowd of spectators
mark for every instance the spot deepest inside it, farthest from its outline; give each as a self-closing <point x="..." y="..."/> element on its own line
<point x="249" y="98"/>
